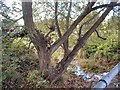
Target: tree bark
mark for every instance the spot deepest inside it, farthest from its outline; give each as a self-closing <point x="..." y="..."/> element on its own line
<point x="38" y="39"/>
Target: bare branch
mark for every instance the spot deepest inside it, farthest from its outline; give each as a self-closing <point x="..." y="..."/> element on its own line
<point x="14" y="21"/>
<point x="87" y="22"/>
<point x="52" y="28"/>
<point x="80" y="31"/>
<point x="52" y="7"/>
<point x="68" y="15"/>
<point x="57" y="24"/>
<point x="66" y="43"/>
<point x="99" y="35"/>
<point x="83" y="40"/>
<point x="18" y="19"/>
<point x="106" y="5"/>
<point x="98" y="22"/>
<point x="72" y="27"/>
<point x="3" y="5"/>
<point x="7" y="17"/>
<point x="56" y="19"/>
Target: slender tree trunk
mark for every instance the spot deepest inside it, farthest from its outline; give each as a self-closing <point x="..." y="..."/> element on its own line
<point x="66" y="43"/>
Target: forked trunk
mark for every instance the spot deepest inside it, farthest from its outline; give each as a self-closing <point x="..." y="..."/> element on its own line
<point x="45" y="50"/>
<point x="62" y="66"/>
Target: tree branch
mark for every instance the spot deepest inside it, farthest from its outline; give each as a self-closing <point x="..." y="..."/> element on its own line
<point x="66" y="43"/>
<point x="87" y="22"/>
<point x="56" y="19"/>
<point x="106" y="5"/>
<point x="8" y="17"/>
<point x="3" y="5"/>
<point x="14" y="21"/>
<point x="52" y="8"/>
<point x="98" y="22"/>
<point x="68" y="16"/>
<point x="52" y="28"/>
<point x="61" y="40"/>
<point x="99" y="35"/>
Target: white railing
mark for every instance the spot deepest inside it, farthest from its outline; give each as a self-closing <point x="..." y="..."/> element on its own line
<point x="105" y="81"/>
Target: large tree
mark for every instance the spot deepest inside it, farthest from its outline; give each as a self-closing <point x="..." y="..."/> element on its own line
<point x="45" y="49"/>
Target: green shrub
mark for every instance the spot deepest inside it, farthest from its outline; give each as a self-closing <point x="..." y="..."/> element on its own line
<point x="34" y="79"/>
<point x="108" y="49"/>
<point x="17" y="61"/>
<point x="90" y="50"/>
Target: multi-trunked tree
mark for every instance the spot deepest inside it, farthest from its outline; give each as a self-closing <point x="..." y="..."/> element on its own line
<point x="45" y="49"/>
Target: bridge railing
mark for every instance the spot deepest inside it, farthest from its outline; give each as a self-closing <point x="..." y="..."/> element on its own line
<point x="106" y="80"/>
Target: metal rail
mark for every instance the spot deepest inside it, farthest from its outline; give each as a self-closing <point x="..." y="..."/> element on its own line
<point x="105" y="81"/>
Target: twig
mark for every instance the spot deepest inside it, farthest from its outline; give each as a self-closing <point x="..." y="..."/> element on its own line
<point x="87" y="22"/>
<point x="56" y="19"/>
<point x="29" y="44"/>
<point x="7" y="17"/>
<point x="3" y="5"/>
<point x="106" y="5"/>
<point x="68" y="16"/>
<point x="14" y="21"/>
<point x="99" y="35"/>
<point x="52" y="28"/>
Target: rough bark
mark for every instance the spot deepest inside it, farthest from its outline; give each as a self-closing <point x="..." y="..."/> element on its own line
<point x="38" y="39"/>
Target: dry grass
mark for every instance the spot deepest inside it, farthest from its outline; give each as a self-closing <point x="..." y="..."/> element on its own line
<point x="97" y="66"/>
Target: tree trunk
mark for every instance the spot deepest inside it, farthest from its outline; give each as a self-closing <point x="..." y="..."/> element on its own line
<point x="38" y="39"/>
<point x="62" y="66"/>
<point x="43" y="53"/>
<point x="45" y="63"/>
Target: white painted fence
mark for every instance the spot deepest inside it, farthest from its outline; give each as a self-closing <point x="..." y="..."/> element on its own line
<point x="105" y="81"/>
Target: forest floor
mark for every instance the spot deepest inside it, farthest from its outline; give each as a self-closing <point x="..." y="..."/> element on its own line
<point x="74" y="81"/>
<point x="70" y="80"/>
